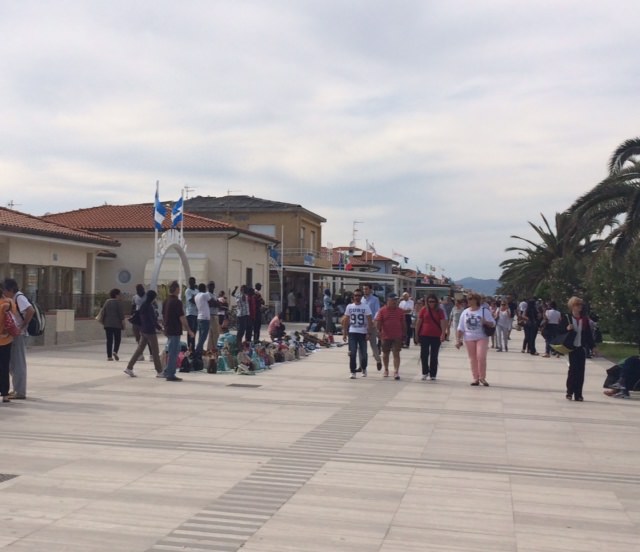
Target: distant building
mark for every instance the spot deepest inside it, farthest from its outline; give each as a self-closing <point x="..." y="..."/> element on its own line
<point x="298" y="230"/>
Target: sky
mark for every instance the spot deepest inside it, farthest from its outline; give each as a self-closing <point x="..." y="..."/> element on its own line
<point x="441" y="127"/>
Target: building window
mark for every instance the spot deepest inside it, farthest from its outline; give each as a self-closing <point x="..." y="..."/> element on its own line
<point x="302" y="229"/>
<point x="312" y="241"/>
<point x="249" y="279"/>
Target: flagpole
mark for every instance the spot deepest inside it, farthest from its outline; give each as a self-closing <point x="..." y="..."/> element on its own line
<point x="182" y="219"/>
<point x="155" y="228"/>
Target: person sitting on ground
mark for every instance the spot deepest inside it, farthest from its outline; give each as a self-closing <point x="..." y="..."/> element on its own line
<point x="276" y="327"/>
<point x="629" y="375"/>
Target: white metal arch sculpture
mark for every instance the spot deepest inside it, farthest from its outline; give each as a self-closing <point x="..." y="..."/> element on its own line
<point x="170" y="239"/>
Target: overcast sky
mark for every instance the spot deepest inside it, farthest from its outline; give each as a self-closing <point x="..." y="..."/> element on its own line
<point x="444" y="126"/>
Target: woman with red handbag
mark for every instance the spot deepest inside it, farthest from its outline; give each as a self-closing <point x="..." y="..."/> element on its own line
<point x="7" y="309"/>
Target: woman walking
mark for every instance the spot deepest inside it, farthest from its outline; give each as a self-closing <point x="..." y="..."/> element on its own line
<point x="503" y="326"/>
<point x="7" y="308"/>
<point x="148" y="327"/>
<point x="577" y="322"/>
<point x="113" y="322"/>
<point x="430" y="332"/>
<point x="473" y="320"/>
<point x="552" y="318"/>
<point x="531" y="324"/>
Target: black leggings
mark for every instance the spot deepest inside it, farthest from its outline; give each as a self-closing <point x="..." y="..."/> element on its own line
<point x="5" y="357"/>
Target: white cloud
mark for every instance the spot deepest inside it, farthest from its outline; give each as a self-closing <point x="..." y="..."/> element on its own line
<point x="444" y="126"/>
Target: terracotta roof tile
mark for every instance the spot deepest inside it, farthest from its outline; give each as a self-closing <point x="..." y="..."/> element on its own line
<point x="22" y="223"/>
<point x="122" y="218"/>
<point x="361" y="254"/>
<point x="139" y="218"/>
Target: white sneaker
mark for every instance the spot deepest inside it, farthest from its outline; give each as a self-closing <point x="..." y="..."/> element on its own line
<point x="352" y="376"/>
<point x="129" y="372"/>
<point x="364" y="373"/>
<point x="424" y="378"/>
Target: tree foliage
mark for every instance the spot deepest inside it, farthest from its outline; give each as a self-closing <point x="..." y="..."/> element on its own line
<point x="614" y="291"/>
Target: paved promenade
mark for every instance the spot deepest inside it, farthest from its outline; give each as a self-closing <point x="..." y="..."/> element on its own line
<point x="301" y="458"/>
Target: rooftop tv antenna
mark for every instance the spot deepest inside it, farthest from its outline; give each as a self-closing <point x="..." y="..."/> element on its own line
<point x="11" y="204"/>
<point x="187" y="191"/>
<point x="229" y="192"/>
<point x="354" y="232"/>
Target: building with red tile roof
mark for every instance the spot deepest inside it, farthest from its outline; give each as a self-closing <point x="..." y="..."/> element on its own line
<point x="217" y="251"/>
<point x="53" y="263"/>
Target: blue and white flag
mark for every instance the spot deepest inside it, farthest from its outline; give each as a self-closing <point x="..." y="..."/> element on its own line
<point x="159" y="212"/>
<point x="176" y="213"/>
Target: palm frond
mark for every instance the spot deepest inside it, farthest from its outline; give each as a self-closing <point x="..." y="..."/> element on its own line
<point x="625" y="151"/>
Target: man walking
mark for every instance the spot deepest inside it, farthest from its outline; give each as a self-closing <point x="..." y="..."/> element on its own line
<point x="406" y="305"/>
<point x="204" y="317"/>
<point x="356" y="324"/>
<point x="174" y="322"/>
<point x="392" y="328"/>
<point x="373" y="303"/>
<point x="18" y="361"/>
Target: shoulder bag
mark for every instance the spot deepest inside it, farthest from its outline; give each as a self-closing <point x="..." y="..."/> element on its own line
<point x="488" y="330"/>
<point x="562" y="343"/>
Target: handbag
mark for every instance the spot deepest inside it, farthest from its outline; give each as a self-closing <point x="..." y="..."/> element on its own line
<point x="10" y="326"/>
<point x="488" y="330"/>
<point x="100" y="316"/>
<point x="563" y="342"/>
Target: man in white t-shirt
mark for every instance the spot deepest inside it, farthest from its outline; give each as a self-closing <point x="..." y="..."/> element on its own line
<point x="204" y="316"/>
<point x="356" y="325"/>
<point x="406" y="306"/>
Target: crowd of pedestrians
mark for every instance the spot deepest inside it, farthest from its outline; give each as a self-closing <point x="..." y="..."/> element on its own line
<point x="479" y="324"/>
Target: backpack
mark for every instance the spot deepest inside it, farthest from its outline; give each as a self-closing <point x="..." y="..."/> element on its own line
<point x="38" y="321"/>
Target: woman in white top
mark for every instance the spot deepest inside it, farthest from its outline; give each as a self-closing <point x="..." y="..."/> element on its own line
<point x="552" y="318"/>
<point x="503" y="326"/>
<point x="471" y="326"/>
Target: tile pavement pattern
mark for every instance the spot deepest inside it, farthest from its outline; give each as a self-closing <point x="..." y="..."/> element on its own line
<point x="308" y="460"/>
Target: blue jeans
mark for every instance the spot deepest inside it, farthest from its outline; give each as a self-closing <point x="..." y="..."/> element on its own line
<point x="203" y="333"/>
<point x="173" y="348"/>
<point x="357" y="345"/>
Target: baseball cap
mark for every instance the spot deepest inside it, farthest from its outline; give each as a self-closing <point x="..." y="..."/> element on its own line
<point x="392" y="296"/>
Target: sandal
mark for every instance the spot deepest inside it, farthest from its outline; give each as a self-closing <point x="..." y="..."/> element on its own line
<point x="386" y="374"/>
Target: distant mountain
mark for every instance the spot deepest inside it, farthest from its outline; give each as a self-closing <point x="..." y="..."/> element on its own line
<point x="486" y="287"/>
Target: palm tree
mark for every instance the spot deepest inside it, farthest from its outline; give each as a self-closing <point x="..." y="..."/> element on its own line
<point x="535" y="261"/>
<point x="615" y="202"/>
